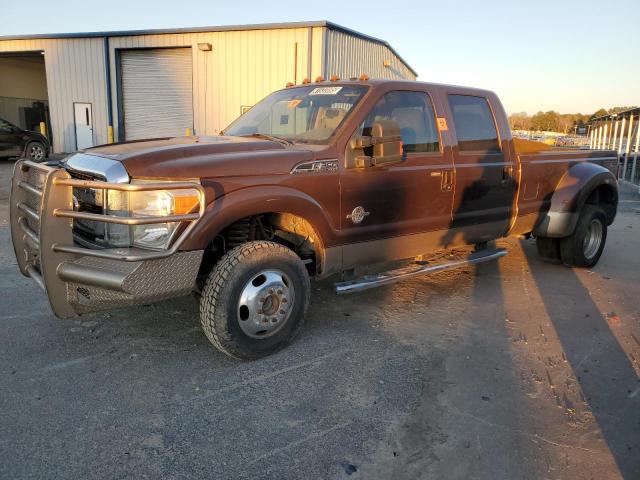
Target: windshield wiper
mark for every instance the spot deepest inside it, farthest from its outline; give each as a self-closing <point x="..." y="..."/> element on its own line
<point x="281" y="140"/>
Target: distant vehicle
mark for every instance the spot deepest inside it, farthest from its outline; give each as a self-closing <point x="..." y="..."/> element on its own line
<point x="328" y="178"/>
<point x="16" y="142"/>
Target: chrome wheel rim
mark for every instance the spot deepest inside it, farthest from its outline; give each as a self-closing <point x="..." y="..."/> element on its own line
<point x="36" y="152"/>
<point x="592" y="239"/>
<point x="265" y="304"/>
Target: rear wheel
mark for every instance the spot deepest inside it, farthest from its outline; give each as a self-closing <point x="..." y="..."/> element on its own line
<point x="35" y="151"/>
<point x="584" y="247"/>
<point x="254" y="300"/>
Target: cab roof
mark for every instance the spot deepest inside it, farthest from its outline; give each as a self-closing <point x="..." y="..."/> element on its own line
<point x="399" y="84"/>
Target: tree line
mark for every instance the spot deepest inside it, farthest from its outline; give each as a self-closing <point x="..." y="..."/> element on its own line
<point x="552" y="121"/>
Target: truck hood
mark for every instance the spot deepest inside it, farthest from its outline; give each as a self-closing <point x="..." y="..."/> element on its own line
<point x="203" y="157"/>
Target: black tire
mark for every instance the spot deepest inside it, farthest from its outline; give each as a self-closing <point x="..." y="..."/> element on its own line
<point x="35" y="151"/>
<point x="584" y="247"/>
<point x="220" y="309"/>
<point x="549" y="249"/>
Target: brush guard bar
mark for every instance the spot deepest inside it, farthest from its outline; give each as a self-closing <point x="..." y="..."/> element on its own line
<point x="41" y="216"/>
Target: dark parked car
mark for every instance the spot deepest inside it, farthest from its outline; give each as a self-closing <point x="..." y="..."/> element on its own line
<point x="16" y="142"/>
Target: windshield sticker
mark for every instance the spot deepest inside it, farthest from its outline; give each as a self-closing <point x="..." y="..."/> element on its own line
<point x="325" y="91"/>
<point x="294" y="103"/>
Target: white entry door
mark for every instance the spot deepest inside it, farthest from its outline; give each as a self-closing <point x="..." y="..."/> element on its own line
<point x="84" y="125"/>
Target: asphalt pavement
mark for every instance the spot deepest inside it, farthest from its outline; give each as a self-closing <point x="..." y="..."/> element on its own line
<point x="510" y="370"/>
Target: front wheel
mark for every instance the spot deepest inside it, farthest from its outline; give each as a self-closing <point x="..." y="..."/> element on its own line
<point x="35" y="151"/>
<point x="584" y="247"/>
<point x="254" y="300"/>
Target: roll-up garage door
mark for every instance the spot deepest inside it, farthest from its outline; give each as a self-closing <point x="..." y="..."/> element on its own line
<point x="157" y="92"/>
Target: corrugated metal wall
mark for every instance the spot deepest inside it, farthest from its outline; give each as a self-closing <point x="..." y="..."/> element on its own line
<point x="243" y="67"/>
<point x="75" y="73"/>
<point x="349" y="56"/>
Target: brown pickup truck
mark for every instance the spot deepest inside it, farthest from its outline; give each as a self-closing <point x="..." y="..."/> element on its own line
<point x="317" y="179"/>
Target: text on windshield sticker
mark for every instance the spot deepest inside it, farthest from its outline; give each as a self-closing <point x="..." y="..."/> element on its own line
<point x="325" y="91"/>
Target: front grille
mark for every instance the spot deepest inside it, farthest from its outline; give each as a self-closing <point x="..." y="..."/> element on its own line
<point x="91" y="233"/>
<point x="84" y="175"/>
<point x="89" y="207"/>
<point x="88" y="232"/>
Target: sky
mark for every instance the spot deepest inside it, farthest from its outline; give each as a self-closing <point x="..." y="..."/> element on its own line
<point x="564" y="55"/>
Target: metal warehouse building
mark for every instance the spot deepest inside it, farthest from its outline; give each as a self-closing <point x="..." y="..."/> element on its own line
<point x="158" y="83"/>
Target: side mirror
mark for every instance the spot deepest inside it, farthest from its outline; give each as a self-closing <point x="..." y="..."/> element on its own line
<point x="385" y="143"/>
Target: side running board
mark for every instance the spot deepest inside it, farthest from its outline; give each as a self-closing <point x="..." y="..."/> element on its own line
<point x="392" y="276"/>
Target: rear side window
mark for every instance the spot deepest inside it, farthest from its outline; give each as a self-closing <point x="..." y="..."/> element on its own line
<point x="474" y="123"/>
<point x="413" y="113"/>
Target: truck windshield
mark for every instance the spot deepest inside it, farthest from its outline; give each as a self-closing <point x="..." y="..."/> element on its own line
<point x="308" y="114"/>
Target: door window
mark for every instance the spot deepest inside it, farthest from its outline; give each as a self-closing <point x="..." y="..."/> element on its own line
<point x="413" y="113"/>
<point x="474" y="123"/>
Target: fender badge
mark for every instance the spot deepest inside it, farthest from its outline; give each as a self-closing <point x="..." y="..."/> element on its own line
<point x="358" y="214"/>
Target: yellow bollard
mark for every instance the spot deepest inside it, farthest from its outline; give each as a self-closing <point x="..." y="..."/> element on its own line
<point x="109" y="134"/>
<point x="187" y="132"/>
<point x="43" y="129"/>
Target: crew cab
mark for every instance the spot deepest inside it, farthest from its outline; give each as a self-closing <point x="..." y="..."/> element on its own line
<point x="317" y="180"/>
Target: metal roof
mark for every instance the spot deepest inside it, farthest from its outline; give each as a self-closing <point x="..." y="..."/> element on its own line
<point x="223" y="28"/>
<point x="623" y="113"/>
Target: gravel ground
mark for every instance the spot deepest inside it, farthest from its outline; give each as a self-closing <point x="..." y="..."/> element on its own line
<point x="514" y="369"/>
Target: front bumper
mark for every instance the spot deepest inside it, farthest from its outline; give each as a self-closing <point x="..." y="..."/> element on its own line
<point x="79" y="280"/>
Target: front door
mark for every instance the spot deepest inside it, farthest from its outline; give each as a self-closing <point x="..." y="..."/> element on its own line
<point x="84" y="125"/>
<point x="485" y="185"/>
<point x="414" y="196"/>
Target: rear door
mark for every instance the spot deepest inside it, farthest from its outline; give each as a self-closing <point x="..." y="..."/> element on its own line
<point x="405" y="198"/>
<point x="485" y="185"/>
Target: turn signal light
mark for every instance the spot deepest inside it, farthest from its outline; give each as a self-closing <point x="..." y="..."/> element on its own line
<point x="319" y="78"/>
<point x="364" y="77"/>
<point x="184" y="203"/>
<point x="334" y="78"/>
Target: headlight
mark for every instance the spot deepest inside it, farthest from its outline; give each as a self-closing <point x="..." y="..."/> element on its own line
<point x="153" y="203"/>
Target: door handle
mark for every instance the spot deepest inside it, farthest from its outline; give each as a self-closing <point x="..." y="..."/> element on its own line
<point x="446" y="180"/>
<point x="507" y="173"/>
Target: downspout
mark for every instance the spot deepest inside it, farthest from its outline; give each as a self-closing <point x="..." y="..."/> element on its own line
<point x="107" y="69"/>
<point x="325" y="52"/>
<point x="309" y="52"/>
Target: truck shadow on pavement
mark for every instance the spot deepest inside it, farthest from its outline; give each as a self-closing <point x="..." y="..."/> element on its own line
<point x="603" y="370"/>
